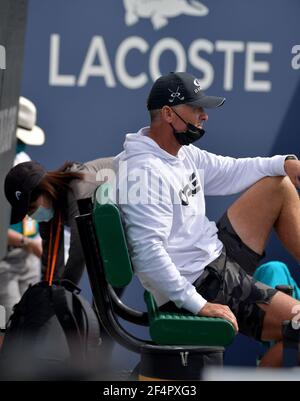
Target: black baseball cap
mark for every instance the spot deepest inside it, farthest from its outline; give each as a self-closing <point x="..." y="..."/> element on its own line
<point x="20" y="181"/>
<point x="180" y="88"/>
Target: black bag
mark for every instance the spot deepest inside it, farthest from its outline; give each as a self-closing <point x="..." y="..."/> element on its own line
<point x="53" y="333"/>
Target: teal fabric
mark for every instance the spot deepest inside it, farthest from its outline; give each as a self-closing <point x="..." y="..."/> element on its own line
<point x="17" y="227"/>
<point x="21" y="146"/>
<point x="276" y="273"/>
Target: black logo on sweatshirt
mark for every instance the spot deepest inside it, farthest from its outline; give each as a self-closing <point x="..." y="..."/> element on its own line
<point x="189" y="189"/>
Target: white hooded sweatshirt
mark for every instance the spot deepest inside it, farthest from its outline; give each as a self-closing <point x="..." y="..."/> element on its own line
<point x="161" y="198"/>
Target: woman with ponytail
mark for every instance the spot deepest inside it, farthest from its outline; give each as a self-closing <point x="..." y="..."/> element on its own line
<point x="50" y="198"/>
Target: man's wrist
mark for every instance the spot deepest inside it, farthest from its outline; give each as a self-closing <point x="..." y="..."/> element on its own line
<point x="287" y="161"/>
<point x="291" y="157"/>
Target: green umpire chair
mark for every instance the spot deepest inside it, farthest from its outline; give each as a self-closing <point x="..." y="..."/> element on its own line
<point x="181" y="345"/>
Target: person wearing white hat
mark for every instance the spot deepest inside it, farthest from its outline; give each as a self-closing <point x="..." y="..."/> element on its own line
<point x="22" y="264"/>
<point x="28" y="133"/>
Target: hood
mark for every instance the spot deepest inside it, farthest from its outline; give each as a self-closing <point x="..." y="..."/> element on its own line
<point x="140" y="143"/>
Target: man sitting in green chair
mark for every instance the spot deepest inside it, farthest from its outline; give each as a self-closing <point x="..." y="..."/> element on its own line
<point x="179" y="255"/>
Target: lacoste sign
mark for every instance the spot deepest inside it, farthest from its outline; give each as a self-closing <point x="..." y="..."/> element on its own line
<point x="2" y="58"/>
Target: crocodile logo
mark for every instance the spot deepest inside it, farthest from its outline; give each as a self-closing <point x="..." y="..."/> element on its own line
<point x="160" y="10"/>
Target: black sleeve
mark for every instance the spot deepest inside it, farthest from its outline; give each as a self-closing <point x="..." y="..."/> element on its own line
<point x="44" y="230"/>
<point x="76" y="263"/>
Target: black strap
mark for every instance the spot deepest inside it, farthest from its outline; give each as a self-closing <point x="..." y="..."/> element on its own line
<point x="68" y="322"/>
<point x="91" y="322"/>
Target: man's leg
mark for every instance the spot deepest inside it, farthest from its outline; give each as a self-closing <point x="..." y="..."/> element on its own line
<point x="271" y="202"/>
<point x="282" y="307"/>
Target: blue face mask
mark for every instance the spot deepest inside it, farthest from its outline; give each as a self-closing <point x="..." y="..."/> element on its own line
<point x="42" y="214"/>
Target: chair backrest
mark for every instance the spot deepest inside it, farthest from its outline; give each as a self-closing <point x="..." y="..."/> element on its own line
<point x="112" y="243"/>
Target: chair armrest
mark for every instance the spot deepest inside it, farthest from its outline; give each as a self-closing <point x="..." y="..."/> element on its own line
<point x="186" y="329"/>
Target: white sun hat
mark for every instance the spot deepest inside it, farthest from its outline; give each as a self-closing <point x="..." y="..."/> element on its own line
<point x="27" y="131"/>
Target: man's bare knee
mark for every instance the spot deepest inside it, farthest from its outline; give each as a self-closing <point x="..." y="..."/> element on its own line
<point x="281" y="189"/>
<point x="275" y="189"/>
<point x="278" y="184"/>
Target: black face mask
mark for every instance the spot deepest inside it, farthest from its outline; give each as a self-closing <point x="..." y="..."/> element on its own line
<point x="189" y="136"/>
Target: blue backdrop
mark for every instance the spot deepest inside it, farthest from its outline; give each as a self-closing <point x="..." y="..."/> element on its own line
<point x="89" y="65"/>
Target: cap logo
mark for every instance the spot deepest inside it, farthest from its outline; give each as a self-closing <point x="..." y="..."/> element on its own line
<point x="18" y="194"/>
<point x="198" y="85"/>
<point x="175" y="94"/>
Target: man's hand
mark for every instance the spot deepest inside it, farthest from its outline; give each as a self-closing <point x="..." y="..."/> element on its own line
<point x="218" y="310"/>
<point x="292" y="169"/>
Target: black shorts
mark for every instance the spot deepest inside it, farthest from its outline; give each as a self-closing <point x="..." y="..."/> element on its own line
<point x="225" y="281"/>
<point x="235" y="248"/>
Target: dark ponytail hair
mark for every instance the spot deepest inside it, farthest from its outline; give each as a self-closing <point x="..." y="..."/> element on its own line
<point x="56" y="184"/>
